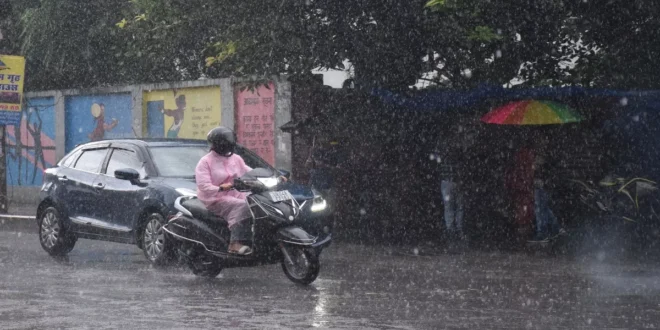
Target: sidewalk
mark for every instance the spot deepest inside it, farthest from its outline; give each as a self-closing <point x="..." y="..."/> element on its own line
<point x="19" y="218"/>
<point x="21" y="210"/>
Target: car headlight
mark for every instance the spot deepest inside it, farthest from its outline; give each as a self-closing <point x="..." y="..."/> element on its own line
<point x="269" y="182"/>
<point x="319" y="204"/>
<point x="186" y="192"/>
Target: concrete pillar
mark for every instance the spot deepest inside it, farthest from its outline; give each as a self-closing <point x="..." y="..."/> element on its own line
<point x="4" y="202"/>
<point x="227" y="103"/>
<point x="60" y="125"/>
<point x="137" y="111"/>
<point x="283" y="146"/>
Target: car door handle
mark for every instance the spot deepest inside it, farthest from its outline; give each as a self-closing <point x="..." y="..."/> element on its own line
<point x="63" y="178"/>
<point x="99" y="186"/>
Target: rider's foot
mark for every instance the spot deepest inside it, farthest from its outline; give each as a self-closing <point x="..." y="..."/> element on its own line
<point x="239" y="248"/>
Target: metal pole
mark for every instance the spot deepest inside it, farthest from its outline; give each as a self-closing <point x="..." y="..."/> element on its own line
<point x="3" y="170"/>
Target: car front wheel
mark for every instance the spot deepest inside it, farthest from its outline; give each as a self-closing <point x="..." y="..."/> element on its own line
<point x="53" y="236"/>
<point x="154" y="242"/>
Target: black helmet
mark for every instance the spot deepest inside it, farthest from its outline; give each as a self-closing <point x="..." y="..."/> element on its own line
<point x="222" y="140"/>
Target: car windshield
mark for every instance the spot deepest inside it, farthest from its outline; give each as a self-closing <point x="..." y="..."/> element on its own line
<point x="180" y="161"/>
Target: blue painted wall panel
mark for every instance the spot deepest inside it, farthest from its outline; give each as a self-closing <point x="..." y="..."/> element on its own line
<point x="31" y="144"/>
<point x="97" y="117"/>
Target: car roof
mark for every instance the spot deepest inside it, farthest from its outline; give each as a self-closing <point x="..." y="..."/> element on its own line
<point x="149" y="142"/>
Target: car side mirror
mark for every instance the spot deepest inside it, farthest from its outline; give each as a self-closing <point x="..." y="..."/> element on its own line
<point x="128" y="174"/>
<point x="284" y="173"/>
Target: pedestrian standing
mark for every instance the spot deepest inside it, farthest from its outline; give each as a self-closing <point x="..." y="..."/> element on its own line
<point x="453" y="199"/>
<point x="547" y="225"/>
<point x="450" y="156"/>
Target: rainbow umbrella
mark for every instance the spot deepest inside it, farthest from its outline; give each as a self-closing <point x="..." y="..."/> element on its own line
<point x="532" y="112"/>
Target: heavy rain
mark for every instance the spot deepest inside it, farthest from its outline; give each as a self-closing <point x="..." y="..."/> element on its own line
<point x="423" y="164"/>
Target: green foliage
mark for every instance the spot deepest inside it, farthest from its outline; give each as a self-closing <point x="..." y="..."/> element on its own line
<point x="483" y="33"/>
<point x="390" y="43"/>
<point x="223" y="51"/>
<point x="435" y="3"/>
<point x="70" y="43"/>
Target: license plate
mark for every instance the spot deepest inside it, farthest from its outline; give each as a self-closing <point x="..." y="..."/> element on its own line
<point x="278" y="196"/>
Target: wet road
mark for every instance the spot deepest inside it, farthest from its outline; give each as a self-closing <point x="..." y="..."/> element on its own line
<point x="106" y="285"/>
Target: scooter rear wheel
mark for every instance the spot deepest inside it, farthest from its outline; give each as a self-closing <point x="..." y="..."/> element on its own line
<point x="303" y="266"/>
<point x="205" y="268"/>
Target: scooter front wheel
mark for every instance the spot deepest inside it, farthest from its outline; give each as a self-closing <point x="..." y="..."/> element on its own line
<point x="300" y="264"/>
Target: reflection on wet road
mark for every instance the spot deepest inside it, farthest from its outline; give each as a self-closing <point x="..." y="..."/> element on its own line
<point x="106" y="285"/>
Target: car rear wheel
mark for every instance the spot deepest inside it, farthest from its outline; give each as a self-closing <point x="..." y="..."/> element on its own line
<point x="53" y="236"/>
<point x="155" y="245"/>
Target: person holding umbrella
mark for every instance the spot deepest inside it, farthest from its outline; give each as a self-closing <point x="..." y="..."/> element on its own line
<point x="519" y="180"/>
<point x="530" y="198"/>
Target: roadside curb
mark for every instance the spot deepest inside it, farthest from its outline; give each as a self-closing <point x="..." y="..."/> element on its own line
<point x="14" y="222"/>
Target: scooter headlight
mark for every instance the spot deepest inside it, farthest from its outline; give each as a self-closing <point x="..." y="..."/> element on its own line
<point x="319" y="204"/>
<point x="269" y="182"/>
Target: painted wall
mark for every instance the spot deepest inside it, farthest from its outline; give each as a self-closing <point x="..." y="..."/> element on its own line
<point x="70" y="117"/>
<point x="31" y="145"/>
<point x="255" y="121"/>
<point x="187" y="113"/>
<point x="97" y="117"/>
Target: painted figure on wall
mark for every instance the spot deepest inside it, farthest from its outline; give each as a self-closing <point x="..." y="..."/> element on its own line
<point x="35" y="130"/>
<point x="31" y="144"/>
<point x="15" y="151"/>
<point x="185" y="113"/>
<point x="98" y="112"/>
<point x="177" y="115"/>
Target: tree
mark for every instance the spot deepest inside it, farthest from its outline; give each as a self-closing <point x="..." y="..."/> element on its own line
<point x="70" y="44"/>
<point x="222" y="38"/>
<point x="497" y="41"/>
<point x="9" y="25"/>
<point x="625" y="35"/>
<point x="390" y="43"/>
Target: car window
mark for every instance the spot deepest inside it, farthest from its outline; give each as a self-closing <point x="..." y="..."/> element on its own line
<point x="71" y="159"/>
<point x="251" y="159"/>
<point x="91" y="160"/>
<point x="180" y="161"/>
<point x="122" y="158"/>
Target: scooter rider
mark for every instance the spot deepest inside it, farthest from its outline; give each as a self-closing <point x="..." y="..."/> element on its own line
<point x="214" y="175"/>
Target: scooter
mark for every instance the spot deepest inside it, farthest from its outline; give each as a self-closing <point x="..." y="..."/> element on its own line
<point x="202" y="238"/>
<point x="633" y="200"/>
<point x="624" y="207"/>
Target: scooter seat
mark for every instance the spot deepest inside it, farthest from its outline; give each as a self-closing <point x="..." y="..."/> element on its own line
<point x="200" y="212"/>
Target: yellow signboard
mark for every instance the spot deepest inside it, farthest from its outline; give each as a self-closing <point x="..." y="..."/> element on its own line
<point x="12" y="75"/>
<point x="187" y="113"/>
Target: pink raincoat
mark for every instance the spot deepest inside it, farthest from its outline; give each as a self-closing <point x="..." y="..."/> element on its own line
<point x="214" y="170"/>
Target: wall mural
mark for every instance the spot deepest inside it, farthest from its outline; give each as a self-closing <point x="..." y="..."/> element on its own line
<point x="187" y="113"/>
<point x="31" y="145"/>
<point x="97" y="117"/>
<point x="255" y="121"/>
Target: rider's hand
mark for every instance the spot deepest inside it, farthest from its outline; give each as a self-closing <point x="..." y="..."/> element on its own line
<point x="283" y="178"/>
<point x="226" y="186"/>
